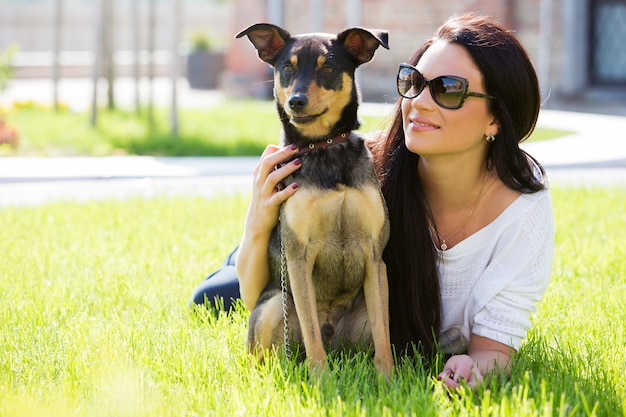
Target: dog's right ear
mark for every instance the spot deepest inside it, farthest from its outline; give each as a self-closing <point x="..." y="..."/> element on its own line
<point x="268" y="40"/>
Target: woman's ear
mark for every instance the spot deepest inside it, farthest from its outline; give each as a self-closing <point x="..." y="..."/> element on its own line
<point x="494" y="128"/>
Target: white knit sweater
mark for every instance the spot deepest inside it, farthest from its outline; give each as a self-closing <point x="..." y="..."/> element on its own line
<point x="492" y="280"/>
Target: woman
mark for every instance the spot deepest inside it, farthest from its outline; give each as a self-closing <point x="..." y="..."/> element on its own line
<point x="471" y="242"/>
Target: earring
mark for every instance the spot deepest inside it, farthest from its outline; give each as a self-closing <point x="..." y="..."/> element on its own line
<point x="490" y="138"/>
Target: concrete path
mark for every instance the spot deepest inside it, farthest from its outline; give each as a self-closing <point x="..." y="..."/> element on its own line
<point x="33" y="181"/>
<point x="594" y="154"/>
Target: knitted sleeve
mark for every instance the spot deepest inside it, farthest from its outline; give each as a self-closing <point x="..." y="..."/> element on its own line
<point x="523" y="263"/>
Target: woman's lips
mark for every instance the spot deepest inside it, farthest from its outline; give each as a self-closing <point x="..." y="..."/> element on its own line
<point x="422" y="124"/>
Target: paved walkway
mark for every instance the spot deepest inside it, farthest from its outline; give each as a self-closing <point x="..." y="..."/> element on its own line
<point x="594" y="154"/>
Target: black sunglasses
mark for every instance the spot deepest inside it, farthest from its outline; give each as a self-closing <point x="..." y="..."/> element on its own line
<point x="448" y="91"/>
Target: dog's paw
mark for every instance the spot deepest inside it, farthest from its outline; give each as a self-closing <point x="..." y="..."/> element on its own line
<point x="318" y="368"/>
<point x="384" y="365"/>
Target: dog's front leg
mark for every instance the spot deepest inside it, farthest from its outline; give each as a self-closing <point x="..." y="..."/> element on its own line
<point x="377" y="302"/>
<point x="300" y="277"/>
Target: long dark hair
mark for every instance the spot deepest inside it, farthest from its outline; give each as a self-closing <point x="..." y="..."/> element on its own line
<point x="411" y="257"/>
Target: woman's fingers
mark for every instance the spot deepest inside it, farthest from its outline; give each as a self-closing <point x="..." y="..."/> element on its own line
<point x="267" y="196"/>
<point x="275" y="179"/>
<point x="273" y="156"/>
<point x="281" y="195"/>
<point x="459" y="369"/>
<point x="271" y="169"/>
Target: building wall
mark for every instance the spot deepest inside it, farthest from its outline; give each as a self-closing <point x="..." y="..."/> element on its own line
<point x="556" y="37"/>
<point x="29" y="26"/>
<point x="409" y="24"/>
<point x="555" y="33"/>
<point x="246" y="75"/>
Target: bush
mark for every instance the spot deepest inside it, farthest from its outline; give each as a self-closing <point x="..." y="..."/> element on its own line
<point x="6" y="67"/>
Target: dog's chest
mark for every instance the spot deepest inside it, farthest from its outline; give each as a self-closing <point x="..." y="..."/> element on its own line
<point x="336" y="227"/>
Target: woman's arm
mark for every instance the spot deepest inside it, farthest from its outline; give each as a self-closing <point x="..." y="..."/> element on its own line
<point x="489" y="355"/>
<point x="262" y="216"/>
<point x="524" y="268"/>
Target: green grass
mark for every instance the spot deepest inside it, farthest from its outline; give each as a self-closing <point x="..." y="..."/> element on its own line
<point x="544" y="133"/>
<point x="242" y="128"/>
<point x="94" y="322"/>
<point x="234" y="128"/>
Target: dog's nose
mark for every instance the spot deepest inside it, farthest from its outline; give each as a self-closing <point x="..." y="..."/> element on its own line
<point x="298" y="102"/>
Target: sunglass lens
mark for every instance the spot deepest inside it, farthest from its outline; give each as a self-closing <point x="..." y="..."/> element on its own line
<point x="448" y="91"/>
<point x="410" y="82"/>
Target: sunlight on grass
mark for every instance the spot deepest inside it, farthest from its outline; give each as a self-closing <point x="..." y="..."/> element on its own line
<point x="542" y="133"/>
<point x="241" y="128"/>
<point x="95" y="321"/>
<point x="233" y="128"/>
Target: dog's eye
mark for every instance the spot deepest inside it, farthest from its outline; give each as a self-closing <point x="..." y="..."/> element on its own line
<point x="288" y="69"/>
<point x="328" y="70"/>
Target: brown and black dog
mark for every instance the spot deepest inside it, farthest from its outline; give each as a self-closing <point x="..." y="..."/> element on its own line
<point x="334" y="229"/>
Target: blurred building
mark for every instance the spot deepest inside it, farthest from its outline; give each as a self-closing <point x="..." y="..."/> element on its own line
<point x="578" y="46"/>
<point x="30" y="25"/>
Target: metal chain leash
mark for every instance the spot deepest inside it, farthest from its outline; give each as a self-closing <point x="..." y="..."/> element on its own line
<point x="283" y="290"/>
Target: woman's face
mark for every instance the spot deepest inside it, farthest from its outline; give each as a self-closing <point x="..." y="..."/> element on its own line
<point x="433" y="131"/>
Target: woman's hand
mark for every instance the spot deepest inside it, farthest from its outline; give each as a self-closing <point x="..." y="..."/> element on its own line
<point x="484" y="356"/>
<point x="460" y="368"/>
<point x="268" y="193"/>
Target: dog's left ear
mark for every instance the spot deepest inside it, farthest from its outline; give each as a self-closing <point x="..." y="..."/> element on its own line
<point x="362" y="43"/>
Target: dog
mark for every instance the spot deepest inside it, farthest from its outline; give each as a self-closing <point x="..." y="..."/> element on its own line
<point x="334" y="229"/>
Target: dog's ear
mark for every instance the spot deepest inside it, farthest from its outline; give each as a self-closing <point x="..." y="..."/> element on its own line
<point x="268" y="40"/>
<point x="362" y="43"/>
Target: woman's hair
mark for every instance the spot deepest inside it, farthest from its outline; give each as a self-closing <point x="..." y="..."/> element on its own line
<point x="411" y="257"/>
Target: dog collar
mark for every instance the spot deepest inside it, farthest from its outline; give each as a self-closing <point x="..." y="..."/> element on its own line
<point x="313" y="146"/>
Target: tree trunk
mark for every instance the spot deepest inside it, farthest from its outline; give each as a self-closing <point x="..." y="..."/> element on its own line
<point x="109" y="53"/>
<point x="135" y="34"/>
<point x="174" y="63"/>
<point x="97" y="62"/>
<point x="56" y="39"/>
<point x="151" y="27"/>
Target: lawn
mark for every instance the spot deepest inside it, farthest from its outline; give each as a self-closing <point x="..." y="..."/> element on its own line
<point x="234" y="128"/>
<point x="95" y="322"/>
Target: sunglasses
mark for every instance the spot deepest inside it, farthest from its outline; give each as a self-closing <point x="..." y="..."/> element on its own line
<point x="448" y="91"/>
